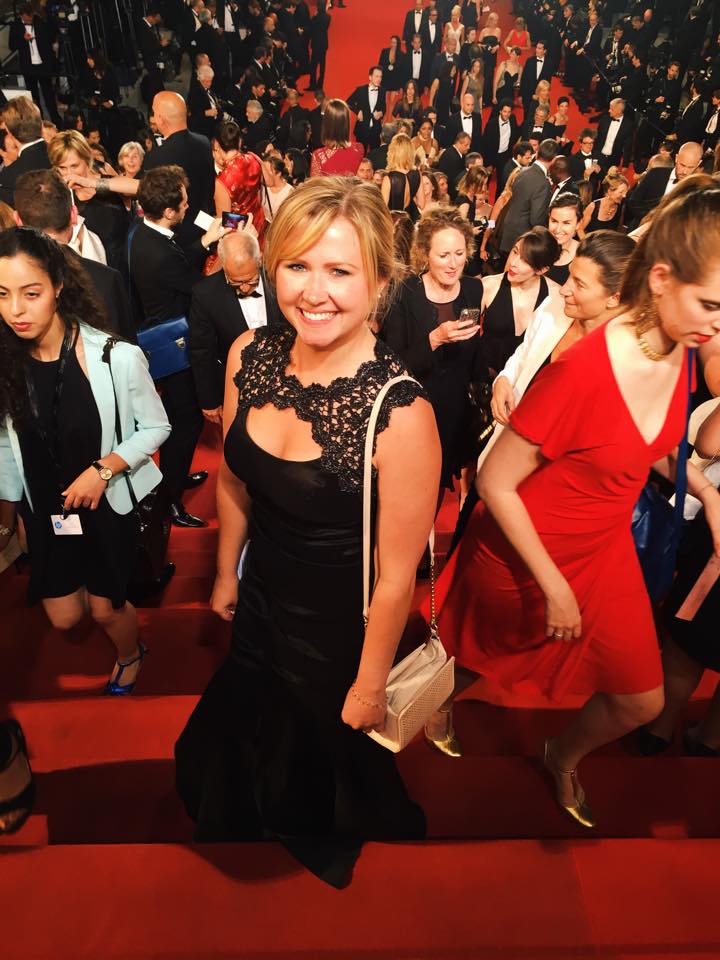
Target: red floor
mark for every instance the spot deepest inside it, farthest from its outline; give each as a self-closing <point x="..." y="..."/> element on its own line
<point x="105" y="867"/>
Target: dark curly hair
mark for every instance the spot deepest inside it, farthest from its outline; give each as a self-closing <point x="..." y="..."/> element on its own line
<point x="76" y="303"/>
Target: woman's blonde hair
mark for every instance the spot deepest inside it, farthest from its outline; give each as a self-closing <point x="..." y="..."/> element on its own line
<point x="510" y="182"/>
<point x="542" y="87"/>
<point x="684" y="233"/>
<point x="65" y="141"/>
<point x="441" y="218"/>
<point x="127" y="148"/>
<point x="614" y="178"/>
<point x="304" y="217"/>
<point x="474" y="179"/>
<point x="401" y="153"/>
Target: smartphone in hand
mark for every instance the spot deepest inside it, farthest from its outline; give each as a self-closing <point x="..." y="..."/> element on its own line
<point x="234" y="220"/>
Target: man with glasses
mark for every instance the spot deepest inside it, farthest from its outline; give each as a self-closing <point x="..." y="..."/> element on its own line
<point x="585" y="162"/>
<point x="224" y="305"/>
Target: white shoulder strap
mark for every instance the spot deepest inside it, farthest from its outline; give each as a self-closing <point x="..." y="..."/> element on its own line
<point x="367" y="491"/>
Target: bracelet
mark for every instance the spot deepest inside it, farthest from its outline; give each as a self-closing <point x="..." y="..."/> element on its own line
<point x="6" y="531"/>
<point x="368" y="703"/>
<point x="102" y="186"/>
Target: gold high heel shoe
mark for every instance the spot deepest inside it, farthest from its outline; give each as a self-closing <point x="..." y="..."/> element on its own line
<point x="579" y="810"/>
<point x="448" y="743"/>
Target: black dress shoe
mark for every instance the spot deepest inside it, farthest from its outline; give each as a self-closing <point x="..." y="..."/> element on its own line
<point x="195" y="479"/>
<point x="181" y="518"/>
<point x="650" y="745"/>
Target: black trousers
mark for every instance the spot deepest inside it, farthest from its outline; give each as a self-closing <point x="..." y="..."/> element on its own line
<point x="35" y="84"/>
<point x="186" y="420"/>
<point x="317" y="69"/>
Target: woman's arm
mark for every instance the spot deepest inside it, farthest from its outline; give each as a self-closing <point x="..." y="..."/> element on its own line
<point x="707" y="440"/>
<point x="464" y="209"/>
<point x="233" y="502"/>
<point x="385" y="189"/>
<point x="408" y="461"/>
<point x="585" y="222"/>
<point x="433" y="91"/>
<point x="126" y="186"/>
<point x="511" y="461"/>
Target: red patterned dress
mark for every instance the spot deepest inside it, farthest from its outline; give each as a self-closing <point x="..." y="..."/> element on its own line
<point x="336" y="161"/>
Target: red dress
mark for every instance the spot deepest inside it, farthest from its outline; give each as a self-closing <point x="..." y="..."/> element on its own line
<point x="336" y="161"/>
<point x="492" y="612"/>
<point x="242" y="178"/>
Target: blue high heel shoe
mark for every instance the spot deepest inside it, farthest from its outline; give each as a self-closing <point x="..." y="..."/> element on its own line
<point x="114" y="688"/>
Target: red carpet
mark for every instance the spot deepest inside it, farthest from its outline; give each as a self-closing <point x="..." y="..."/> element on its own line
<point x="105" y="867"/>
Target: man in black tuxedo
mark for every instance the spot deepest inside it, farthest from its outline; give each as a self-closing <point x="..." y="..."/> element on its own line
<point x="537" y="68"/>
<point x="259" y="126"/>
<point x="690" y="124"/>
<point x="588" y="53"/>
<point x="24" y="124"/>
<point x="431" y="34"/>
<point x="661" y="180"/>
<point x="192" y="152"/>
<point x="151" y="47"/>
<point x="711" y="134"/>
<point x="224" y="305"/>
<point x="212" y="42"/>
<point x="522" y="156"/>
<point x="418" y="63"/>
<point x="469" y="122"/>
<point x="368" y="104"/>
<point x="585" y="162"/>
<point x="203" y="106"/>
<point x="415" y="20"/>
<point x="378" y="156"/>
<point x="32" y="40"/>
<point x="531" y="195"/>
<point x="43" y="201"/>
<point x="163" y="275"/>
<point x="293" y="116"/>
<point x="319" y="43"/>
<point x="316" y="119"/>
<point x="500" y="135"/>
<point x="562" y="181"/>
<point x="537" y="127"/>
<point x="614" y="136"/>
<point x="452" y="161"/>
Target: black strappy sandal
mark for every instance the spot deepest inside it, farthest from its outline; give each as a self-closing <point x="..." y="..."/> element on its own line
<point x="21" y="804"/>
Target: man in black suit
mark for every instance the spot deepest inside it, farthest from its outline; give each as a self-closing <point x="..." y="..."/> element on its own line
<point x="368" y="104"/>
<point x="711" y="134"/>
<point x="30" y="37"/>
<point x="316" y="119"/>
<point x="378" y="156"/>
<point x="690" y="124"/>
<point x="203" y="106"/>
<point x="224" y="305"/>
<point x="192" y="152"/>
<point x="536" y="68"/>
<point x="585" y="162"/>
<point x="661" y="180"/>
<point x="418" y="64"/>
<point x="43" y="201"/>
<point x="212" y="42"/>
<point x="614" y="136"/>
<point x="522" y="156"/>
<point x="531" y="195"/>
<point x="319" y="43"/>
<point x="163" y="275"/>
<point x="452" y="161"/>
<point x="258" y="127"/>
<point x="431" y="34"/>
<point x="468" y="121"/>
<point x="295" y="115"/>
<point x="151" y="47"/>
<point x="501" y="133"/>
<point x="562" y="181"/>
<point x="537" y="127"/>
<point x="415" y="20"/>
<point x="24" y="124"/>
<point x="588" y="53"/>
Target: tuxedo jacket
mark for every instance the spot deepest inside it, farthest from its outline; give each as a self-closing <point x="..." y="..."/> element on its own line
<point x="409" y="30"/>
<point x="622" y="148"/>
<point x="710" y="139"/>
<point x="453" y="166"/>
<point x="437" y="63"/>
<point x="491" y="138"/>
<point x="526" y="130"/>
<point x="647" y="194"/>
<point x="454" y="126"/>
<point x="432" y="47"/>
<point x="367" y="130"/>
<point x="198" y="102"/>
<point x="529" y="79"/>
<point x="528" y="206"/>
<point x="32" y="158"/>
<point x="148" y="39"/>
<point x="691" y="123"/>
<point x="593" y="47"/>
<point x="43" y="38"/>
<point x="162" y="274"/>
<point x="568" y="187"/>
<point x="318" y="30"/>
<point x="216" y="320"/>
<point x="577" y="164"/>
<point x="426" y="61"/>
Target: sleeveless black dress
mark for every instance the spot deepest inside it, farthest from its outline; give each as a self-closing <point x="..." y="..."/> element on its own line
<point x="499" y="340"/>
<point x="265" y="755"/>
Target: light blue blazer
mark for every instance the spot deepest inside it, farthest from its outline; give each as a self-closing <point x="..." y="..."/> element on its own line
<point x="143" y="422"/>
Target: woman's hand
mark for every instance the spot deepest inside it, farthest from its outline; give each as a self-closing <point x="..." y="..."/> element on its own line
<point x="85" y="491"/>
<point x="224" y="596"/>
<point x="452" y="331"/>
<point x="357" y="713"/>
<point x="562" y="614"/>
<point x="503" y="400"/>
<point x="81" y="183"/>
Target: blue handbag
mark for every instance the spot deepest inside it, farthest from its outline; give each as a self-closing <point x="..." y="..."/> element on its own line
<point x="656" y="526"/>
<point x="166" y="347"/>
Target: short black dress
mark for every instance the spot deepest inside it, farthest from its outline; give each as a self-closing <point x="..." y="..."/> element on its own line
<point x="597" y="224"/>
<point x="101" y="558"/>
<point x="265" y="754"/>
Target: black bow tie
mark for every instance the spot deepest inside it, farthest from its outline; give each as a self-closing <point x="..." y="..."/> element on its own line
<point x="247" y="296"/>
<point x="417" y="52"/>
<point x="615" y="120"/>
<point x="374" y="89"/>
<point x="540" y="61"/>
<point x="467" y="116"/>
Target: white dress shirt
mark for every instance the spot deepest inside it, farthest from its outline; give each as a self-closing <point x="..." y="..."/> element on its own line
<point x="165" y="231"/>
<point x="432" y="27"/>
<point x="372" y="99"/>
<point x="467" y="122"/>
<point x="612" y="133"/>
<point x="35" y="58"/>
<point x="418" y="20"/>
<point x="713" y="122"/>
<point x="255" y="308"/>
<point x="229" y="25"/>
<point x="504" y="142"/>
<point x="416" y="64"/>
<point x="538" y="68"/>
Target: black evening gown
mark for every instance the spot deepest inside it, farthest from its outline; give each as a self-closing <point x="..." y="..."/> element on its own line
<point x="499" y="340"/>
<point x="265" y="754"/>
<point x="100" y="559"/>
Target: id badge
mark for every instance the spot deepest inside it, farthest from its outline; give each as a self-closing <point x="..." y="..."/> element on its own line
<point x="69" y="526"/>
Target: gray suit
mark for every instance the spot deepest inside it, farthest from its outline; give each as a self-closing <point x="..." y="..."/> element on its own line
<point x="528" y="206"/>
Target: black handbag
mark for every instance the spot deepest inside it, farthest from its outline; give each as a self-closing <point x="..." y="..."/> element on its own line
<point x="151" y="513"/>
<point x="656" y="526"/>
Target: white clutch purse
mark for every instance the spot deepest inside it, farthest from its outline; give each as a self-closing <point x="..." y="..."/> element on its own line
<point x="422" y="681"/>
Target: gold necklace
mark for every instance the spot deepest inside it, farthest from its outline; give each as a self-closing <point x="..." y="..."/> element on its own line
<point x="642" y="325"/>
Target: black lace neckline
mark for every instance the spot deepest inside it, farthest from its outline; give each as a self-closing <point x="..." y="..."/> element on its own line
<point x="338" y="412"/>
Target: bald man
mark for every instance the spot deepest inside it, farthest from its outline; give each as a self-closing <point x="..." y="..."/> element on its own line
<point x="224" y="305"/>
<point x="192" y="152"/>
<point x="661" y="180"/>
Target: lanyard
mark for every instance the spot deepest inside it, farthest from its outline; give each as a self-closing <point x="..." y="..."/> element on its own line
<point x="51" y="440"/>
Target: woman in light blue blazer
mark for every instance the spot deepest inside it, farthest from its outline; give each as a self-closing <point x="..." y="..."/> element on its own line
<point x="60" y="461"/>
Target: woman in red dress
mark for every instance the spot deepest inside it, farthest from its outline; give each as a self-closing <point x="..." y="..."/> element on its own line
<point x="239" y="183"/>
<point x="337" y="156"/>
<point x="545" y="591"/>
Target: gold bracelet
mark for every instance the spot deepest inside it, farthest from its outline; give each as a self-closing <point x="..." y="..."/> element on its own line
<point x="367" y="703"/>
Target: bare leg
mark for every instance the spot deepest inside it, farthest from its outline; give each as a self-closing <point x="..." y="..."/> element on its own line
<point x="121" y="626"/>
<point x="682" y="675"/>
<point x="66" y="612"/>
<point x="604" y="718"/>
<point x="439" y="725"/>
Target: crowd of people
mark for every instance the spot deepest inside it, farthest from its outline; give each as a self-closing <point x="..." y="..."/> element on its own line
<point x="237" y="262"/>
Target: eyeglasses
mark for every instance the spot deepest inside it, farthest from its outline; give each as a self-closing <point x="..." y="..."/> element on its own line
<point x="243" y="285"/>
